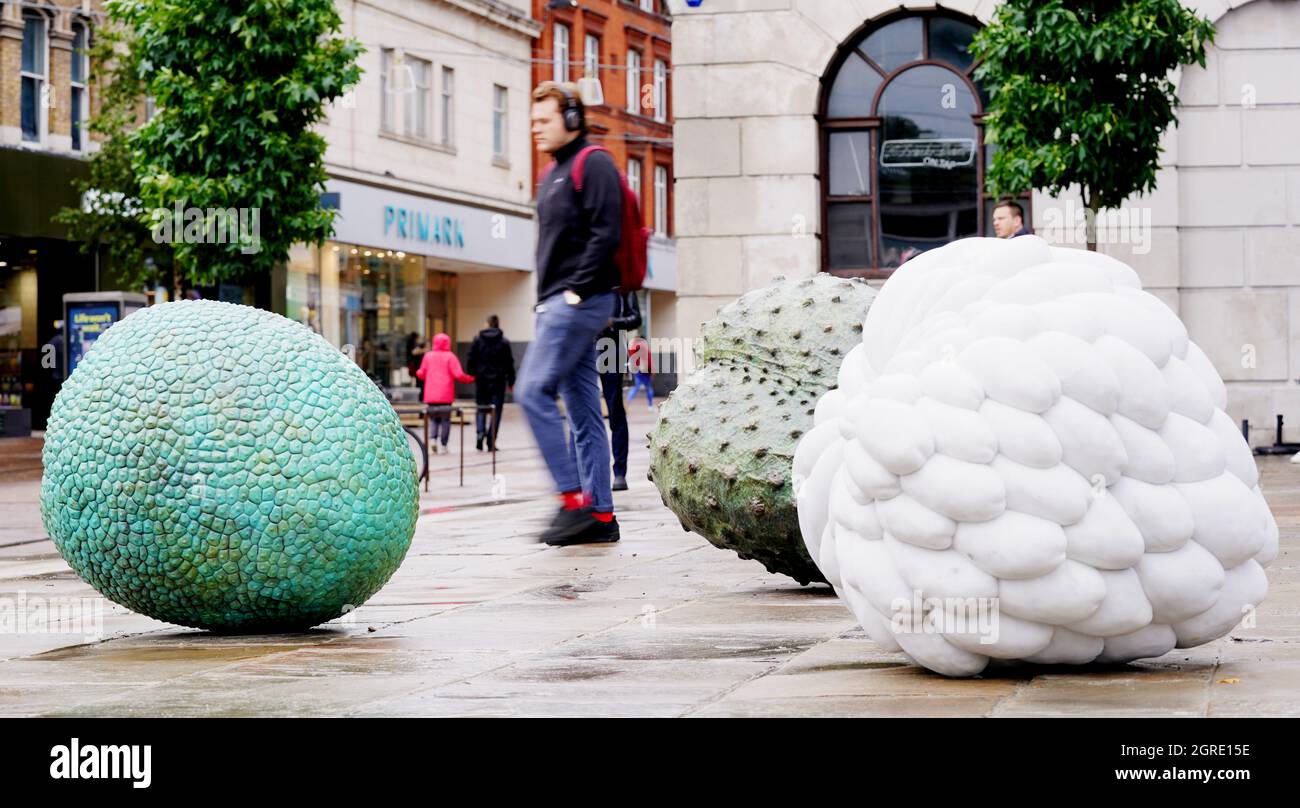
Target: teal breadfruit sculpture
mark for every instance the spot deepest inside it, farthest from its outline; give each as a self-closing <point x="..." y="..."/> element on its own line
<point x="721" y="450"/>
<point x="222" y="467"/>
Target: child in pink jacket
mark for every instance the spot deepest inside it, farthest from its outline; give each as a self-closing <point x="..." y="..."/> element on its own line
<point x="440" y="370"/>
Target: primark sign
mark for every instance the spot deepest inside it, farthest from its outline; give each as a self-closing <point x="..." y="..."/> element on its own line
<point x="469" y="237"/>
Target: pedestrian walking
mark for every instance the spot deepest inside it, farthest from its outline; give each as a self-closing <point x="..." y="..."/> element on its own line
<point x="492" y="364"/>
<point x="440" y="370"/>
<point x="642" y="370"/>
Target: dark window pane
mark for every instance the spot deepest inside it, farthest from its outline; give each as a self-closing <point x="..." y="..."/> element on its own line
<point x="76" y="118"/>
<point x="33" y="45"/>
<point x="928" y="181"/>
<point x="79" y="54"/>
<point x="30" y="106"/>
<point x="854" y="88"/>
<point x="850" y="164"/>
<point x="848" y="227"/>
<point x="895" y="44"/>
<point x="950" y="42"/>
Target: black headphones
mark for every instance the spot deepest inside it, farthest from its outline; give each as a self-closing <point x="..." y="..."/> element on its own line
<point x="575" y="117"/>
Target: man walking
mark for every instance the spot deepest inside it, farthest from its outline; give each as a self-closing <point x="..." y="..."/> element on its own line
<point x="492" y="364"/>
<point x="1009" y="219"/>
<point x="578" y="235"/>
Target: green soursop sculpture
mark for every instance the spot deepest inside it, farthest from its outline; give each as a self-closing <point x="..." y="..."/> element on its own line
<point x="721" y="451"/>
<point x="222" y="467"/>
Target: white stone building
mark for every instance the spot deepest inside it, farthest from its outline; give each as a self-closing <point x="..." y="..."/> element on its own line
<point x="777" y="168"/>
<point x="430" y="165"/>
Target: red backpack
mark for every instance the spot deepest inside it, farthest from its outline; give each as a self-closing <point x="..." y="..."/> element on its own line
<point x="632" y="255"/>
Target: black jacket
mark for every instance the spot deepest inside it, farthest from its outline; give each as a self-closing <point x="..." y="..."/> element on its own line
<point x="578" y="233"/>
<point x="627" y="315"/>
<point x="490" y="358"/>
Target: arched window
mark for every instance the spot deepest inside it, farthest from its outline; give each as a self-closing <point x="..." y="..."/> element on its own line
<point x="902" y="146"/>
<point x="35" y="75"/>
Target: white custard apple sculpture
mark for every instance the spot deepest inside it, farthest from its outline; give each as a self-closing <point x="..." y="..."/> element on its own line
<point x="1026" y="458"/>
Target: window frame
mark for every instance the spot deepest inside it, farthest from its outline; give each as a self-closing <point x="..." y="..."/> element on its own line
<point x="40" y="79"/>
<point x="661" y="200"/>
<point x="561" y="52"/>
<point x="634" y="178"/>
<point x="660" y="90"/>
<point x="447" y="107"/>
<point x="500" y="122"/>
<point x="78" y="95"/>
<point x="590" y="61"/>
<point x="417" y="107"/>
<point x="872" y="125"/>
<point x="633" y="89"/>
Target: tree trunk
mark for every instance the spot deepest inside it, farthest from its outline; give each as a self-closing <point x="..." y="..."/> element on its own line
<point x="1090" y="220"/>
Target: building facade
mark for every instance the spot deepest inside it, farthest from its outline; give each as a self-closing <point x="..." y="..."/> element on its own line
<point x="46" y="96"/>
<point x="619" y="52"/>
<point x="430" y="166"/>
<point x="787" y="110"/>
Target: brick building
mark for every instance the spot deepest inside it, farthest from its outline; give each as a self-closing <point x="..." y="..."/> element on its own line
<point x="620" y="54"/>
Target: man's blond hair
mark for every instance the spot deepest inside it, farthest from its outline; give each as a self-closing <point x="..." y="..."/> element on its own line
<point x="556" y="90"/>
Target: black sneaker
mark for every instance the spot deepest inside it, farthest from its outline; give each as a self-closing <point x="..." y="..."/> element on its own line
<point x="565" y="524"/>
<point x="478" y="444"/>
<point x="594" y="532"/>
<point x="620" y="483"/>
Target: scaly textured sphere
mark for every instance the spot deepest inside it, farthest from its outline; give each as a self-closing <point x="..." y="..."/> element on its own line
<point x="223" y="467"/>
<point x="720" y="452"/>
<point x="1027" y="459"/>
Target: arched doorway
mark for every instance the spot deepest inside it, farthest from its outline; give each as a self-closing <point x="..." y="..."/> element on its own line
<point x="902" y="148"/>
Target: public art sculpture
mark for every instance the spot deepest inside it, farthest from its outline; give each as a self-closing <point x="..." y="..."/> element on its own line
<point x="1026" y="458"/>
<point x="222" y="467"/>
<point x="720" y="453"/>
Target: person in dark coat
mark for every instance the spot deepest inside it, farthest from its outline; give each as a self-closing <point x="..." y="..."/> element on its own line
<point x="626" y="317"/>
<point x="492" y="363"/>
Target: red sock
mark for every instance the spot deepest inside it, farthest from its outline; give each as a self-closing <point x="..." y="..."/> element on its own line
<point x="604" y="516"/>
<point x="571" y="500"/>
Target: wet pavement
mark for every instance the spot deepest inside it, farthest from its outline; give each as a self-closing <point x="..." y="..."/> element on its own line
<point x="482" y="621"/>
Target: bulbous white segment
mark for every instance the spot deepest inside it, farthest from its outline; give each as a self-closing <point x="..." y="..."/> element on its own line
<point x="946" y="383"/>
<point x="1244" y="587"/>
<point x="1228" y="521"/>
<point x="1204" y="369"/>
<point x="1010" y="373"/>
<point x="1053" y="373"/>
<point x="968" y="492"/>
<point x="908" y="520"/>
<point x="959" y="432"/>
<point x="1160" y="513"/>
<point x="1022" y="436"/>
<point x="1124" y="609"/>
<point x="811" y="447"/>
<point x="1085" y="376"/>
<point x="1089" y="443"/>
<point x="1105" y="538"/>
<point x="1187" y="395"/>
<point x="940" y="573"/>
<point x="1069" y="593"/>
<point x="1182" y="583"/>
<point x="1068" y="648"/>
<point x="1142" y="393"/>
<point x="876" y="626"/>
<point x="895" y="435"/>
<point x="930" y="649"/>
<point x="848" y="508"/>
<point x="1149" y="641"/>
<point x="1014" y="545"/>
<point x="1149" y="457"/>
<point x="871" y="478"/>
<point x="1059" y="493"/>
<point x="1010" y="637"/>
<point x="812" y="501"/>
<point x="1268" y="554"/>
<point x="1237" y="452"/>
<point x="1198" y="455"/>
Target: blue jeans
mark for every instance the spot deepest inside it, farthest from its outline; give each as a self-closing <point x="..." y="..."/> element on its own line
<point x="642" y="380"/>
<point x="562" y="361"/>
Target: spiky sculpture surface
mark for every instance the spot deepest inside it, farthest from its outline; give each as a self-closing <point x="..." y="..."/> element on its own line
<point x="1028" y="459"/>
<point x="721" y="451"/>
<point x="223" y="467"/>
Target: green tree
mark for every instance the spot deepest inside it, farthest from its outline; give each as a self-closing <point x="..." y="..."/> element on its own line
<point x="238" y="87"/>
<point x="1081" y="92"/>
<point x="109" y="218"/>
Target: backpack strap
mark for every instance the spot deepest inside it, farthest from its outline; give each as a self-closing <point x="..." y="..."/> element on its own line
<point x="580" y="160"/>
